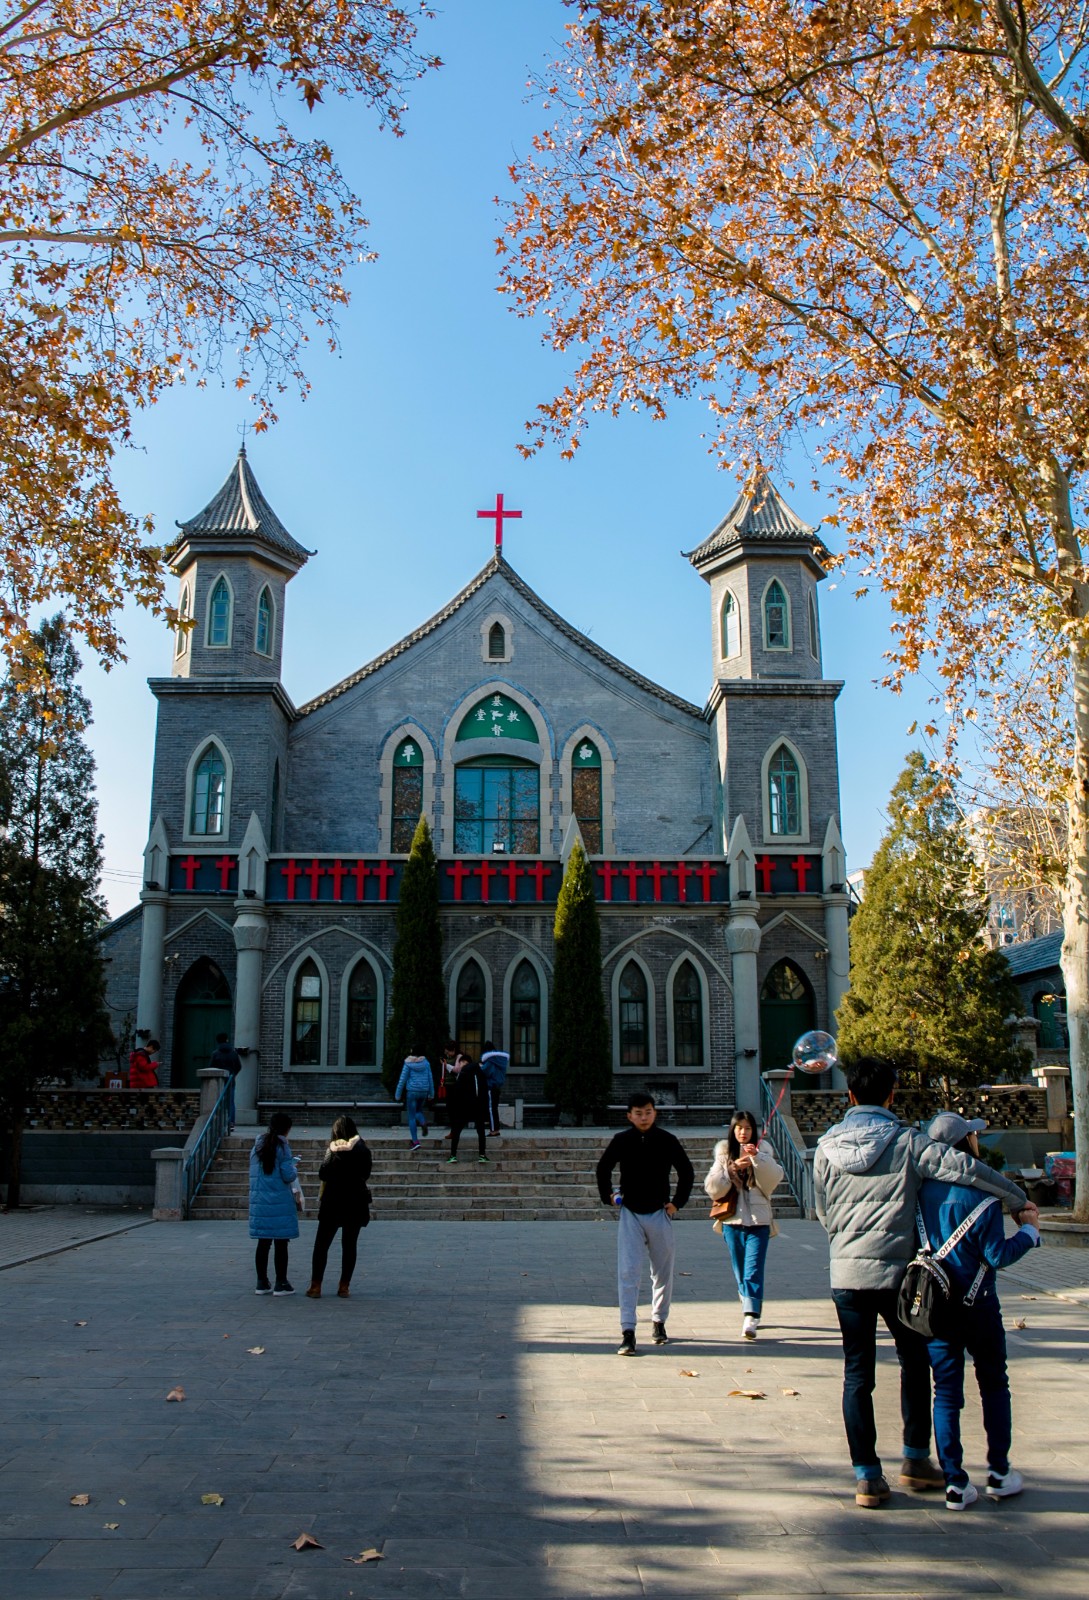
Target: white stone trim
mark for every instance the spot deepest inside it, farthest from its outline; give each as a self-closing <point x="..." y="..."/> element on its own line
<point x="212" y="587"/>
<point x="504" y="621"/>
<point x="814" y="627"/>
<point x="185" y="614"/>
<point x="589" y="730"/>
<point x="343" y="1064"/>
<point x="777" y="649"/>
<point x="527" y="954"/>
<point x="650" y="1065"/>
<point x="705" y="1014"/>
<point x="188" y="836"/>
<point x="404" y="730"/>
<point x="266" y="655"/>
<point x="549" y="841"/>
<point x="802" y="836"/>
<point x="308" y="953"/>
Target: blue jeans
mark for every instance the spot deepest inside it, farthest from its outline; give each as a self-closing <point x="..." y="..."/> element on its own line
<point x="858" y="1311"/>
<point x="748" y="1248"/>
<point x="417" y="1112"/>
<point x="982" y="1335"/>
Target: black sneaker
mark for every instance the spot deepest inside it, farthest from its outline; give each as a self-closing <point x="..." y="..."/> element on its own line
<point x="283" y="1287"/>
<point x="627" y="1342"/>
<point x="658" y="1333"/>
<point x="871" y="1492"/>
<point x="263" y="1286"/>
<point x="423" y="1129"/>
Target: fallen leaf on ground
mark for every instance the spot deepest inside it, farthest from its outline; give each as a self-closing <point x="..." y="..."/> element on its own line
<point x="122" y="1502"/>
<point x="306" y="1541"/>
<point x="500" y="1416"/>
<point x="176" y="1394"/>
<point x="684" y="1274"/>
<point x="111" y="1524"/>
<point x="257" y="1350"/>
<point x="81" y="1324"/>
<point x="80" y="1500"/>
<point x="1020" y="1297"/>
<point x="789" y="1391"/>
<point x="746" y="1394"/>
<point x="212" y="1500"/>
<point x="365" y="1555"/>
<point x="1019" y="1322"/>
<point x="686" y="1372"/>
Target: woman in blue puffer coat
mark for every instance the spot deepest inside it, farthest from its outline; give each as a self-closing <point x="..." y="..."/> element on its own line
<point x="418" y="1087"/>
<point x="273" y="1216"/>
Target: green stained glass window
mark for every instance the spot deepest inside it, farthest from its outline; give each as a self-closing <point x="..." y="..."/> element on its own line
<point x="784" y="793"/>
<point x="776" y="617"/>
<point x="586" y="793"/>
<point x="219" y="616"/>
<point x="263" y="641"/>
<point x="306" y="1017"/>
<point x="209" y="791"/>
<point x="687" y="1017"/>
<point x="407" y="794"/>
<point x="525" y="1017"/>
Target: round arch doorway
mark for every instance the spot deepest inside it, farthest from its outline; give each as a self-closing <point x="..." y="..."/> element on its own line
<point x="202" y="1008"/>
<point x="788" y="1008"/>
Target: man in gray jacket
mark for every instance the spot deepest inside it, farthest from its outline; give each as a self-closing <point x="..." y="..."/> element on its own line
<point x="867" y="1174"/>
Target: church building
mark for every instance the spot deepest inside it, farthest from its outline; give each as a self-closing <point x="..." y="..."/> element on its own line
<point x="279" y="832"/>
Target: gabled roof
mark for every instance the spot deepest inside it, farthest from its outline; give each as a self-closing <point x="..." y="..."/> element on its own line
<point x="498" y="567"/>
<point x="759" y="515"/>
<point x="241" y="510"/>
<point x="1034" y="955"/>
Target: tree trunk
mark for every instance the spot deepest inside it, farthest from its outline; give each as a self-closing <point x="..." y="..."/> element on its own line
<point x="15" y="1165"/>
<point x="1075" y="957"/>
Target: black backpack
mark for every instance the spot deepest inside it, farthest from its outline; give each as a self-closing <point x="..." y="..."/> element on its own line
<point x="929" y="1302"/>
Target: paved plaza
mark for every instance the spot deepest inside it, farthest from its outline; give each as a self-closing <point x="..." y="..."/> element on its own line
<point x="464" y="1415"/>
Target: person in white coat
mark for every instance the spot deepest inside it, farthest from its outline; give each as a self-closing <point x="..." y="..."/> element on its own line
<point x="750" y="1170"/>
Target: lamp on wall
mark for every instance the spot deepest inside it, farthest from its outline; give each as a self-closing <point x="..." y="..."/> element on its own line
<point x="498" y="847"/>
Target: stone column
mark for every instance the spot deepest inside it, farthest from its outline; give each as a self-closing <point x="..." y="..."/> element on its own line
<point x="779" y="1082"/>
<point x="211" y="1080"/>
<point x="250" y="939"/>
<point x="169" y="1199"/>
<point x="839" y="964"/>
<point x="1054" y="1079"/>
<point x="149" y="1005"/>
<point x="743" y="943"/>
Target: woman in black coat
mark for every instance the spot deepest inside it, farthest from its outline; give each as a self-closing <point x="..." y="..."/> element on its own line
<point x="345" y="1204"/>
<point x="466" y="1102"/>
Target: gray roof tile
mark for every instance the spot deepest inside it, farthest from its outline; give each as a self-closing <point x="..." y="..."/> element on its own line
<point x="241" y="509"/>
<point x="1034" y="955"/>
<point x="758" y="515"/>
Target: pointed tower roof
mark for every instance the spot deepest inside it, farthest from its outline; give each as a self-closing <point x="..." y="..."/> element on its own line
<point x="759" y="516"/>
<point x="240" y="512"/>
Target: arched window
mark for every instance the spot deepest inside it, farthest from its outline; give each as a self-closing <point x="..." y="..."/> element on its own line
<point x="687" y="1017"/>
<point x="586" y="793"/>
<point x="219" y="616"/>
<point x="361" y="1045"/>
<point x="814" y="637"/>
<point x="497" y="801"/>
<point x="731" y="627"/>
<point x="181" y="643"/>
<point x="306" y="1002"/>
<point x="497" y="642"/>
<point x="525" y="1016"/>
<point x="776" y="617"/>
<point x="209" y="791"/>
<point x="634" y="1031"/>
<point x="784" y="793"/>
<point x="407" y="795"/>
<point x="469" y="1010"/>
<point x="263" y="638"/>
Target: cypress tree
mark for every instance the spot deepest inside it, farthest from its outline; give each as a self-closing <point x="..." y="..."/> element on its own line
<point x="418" y="1011"/>
<point x="926" y="992"/>
<point x="579" y="1073"/>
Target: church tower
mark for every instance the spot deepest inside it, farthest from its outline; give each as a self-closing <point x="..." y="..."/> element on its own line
<point x="776" y="776"/>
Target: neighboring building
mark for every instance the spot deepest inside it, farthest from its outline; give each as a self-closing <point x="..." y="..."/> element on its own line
<point x="1035" y="966"/>
<point x="278" y="834"/>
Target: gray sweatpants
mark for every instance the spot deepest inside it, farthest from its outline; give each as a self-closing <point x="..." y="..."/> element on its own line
<point x="650" y="1232"/>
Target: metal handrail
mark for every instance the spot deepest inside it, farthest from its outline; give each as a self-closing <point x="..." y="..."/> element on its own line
<point x="203" y="1153"/>
<point x="794" y="1156"/>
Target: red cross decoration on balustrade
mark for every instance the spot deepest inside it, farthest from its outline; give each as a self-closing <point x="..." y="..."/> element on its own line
<point x="539" y="872"/>
<point x="383" y="872"/>
<point x="359" y="872"/>
<point x="338" y="872"/>
<point x="765" y="867"/>
<point x="512" y="872"/>
<point x="802" y="869"/>
<point x="500" y="514"/>
<point x="190" y="866"/>
<point x="314" y="871"/>
<point x="225" y="866"/>
<point x="608" y="872"/>
<point x="485" y="872"/>
<point x="631" y="872"/>
<point x="459" y="872"/>
<point x="291" y="872"/>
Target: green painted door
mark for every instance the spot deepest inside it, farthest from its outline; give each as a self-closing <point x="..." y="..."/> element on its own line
<point x="201" y="1010"/>
<point x="787" y="1010"/>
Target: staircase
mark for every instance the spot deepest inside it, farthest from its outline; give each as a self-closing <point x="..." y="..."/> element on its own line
<point x="531" y="1177"/>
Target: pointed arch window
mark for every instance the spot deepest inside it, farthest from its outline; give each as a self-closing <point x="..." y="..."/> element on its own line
<point x="263" y="638"/>
<point x="814" y="636"/>
<point x="525" y="1016"/>
<point x="209" y="792"/>
<point x="407" y="794"/>
<point x="469" y="1010"/>
<point x="633" y="1019"/>
<point x="181" y="643"/>
<point x="306" y="1008"/>
<point x="497" y="642"/>
<point x="361" y="1048"/>
<point x="219" y="616"/>
<point x="586" y="793"/>
<point x="776" y="617"/>
<point x="687" y="1017"/>
<point x="731" y="627"/>
<point x="784" y="793"/>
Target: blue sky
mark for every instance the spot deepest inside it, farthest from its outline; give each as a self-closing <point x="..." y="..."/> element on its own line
<point x="414" y="425"/>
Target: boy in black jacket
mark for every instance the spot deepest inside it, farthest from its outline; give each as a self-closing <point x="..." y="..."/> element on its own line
<point x="646" y="1155"/>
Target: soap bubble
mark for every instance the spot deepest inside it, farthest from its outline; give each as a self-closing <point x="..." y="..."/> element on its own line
<point x="815" y="1052"/>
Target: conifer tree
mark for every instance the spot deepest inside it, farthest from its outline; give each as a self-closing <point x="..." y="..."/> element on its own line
<point x="579" y="1073"/>
<point x="926" y="992"/>
<point x="418" y="1012"/>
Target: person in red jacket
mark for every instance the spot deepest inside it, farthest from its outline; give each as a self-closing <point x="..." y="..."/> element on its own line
<point x="142" y="1070"/>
